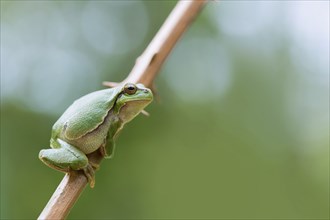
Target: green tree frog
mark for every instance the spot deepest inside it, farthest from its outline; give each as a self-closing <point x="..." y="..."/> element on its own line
<point x="92" y="123"/>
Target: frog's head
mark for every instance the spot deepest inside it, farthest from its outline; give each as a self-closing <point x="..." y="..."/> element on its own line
<point x="132" y="99"/>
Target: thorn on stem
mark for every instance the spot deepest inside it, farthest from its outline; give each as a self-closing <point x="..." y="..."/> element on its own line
<point x="110" y="84"/>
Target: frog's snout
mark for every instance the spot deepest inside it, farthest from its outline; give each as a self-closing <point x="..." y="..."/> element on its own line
<point x="41" y="154"/>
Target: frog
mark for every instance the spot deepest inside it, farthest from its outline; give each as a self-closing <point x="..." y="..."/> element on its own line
<point x="92" y="123"/>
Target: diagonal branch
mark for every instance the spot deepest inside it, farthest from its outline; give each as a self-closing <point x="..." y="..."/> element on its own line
<point x="144" y="71"/>
<point x="151" y="60"/>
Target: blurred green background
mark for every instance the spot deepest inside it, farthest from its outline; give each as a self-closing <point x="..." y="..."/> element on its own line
<point x="241" y="129"/>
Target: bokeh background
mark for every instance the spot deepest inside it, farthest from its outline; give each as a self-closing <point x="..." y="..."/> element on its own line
<point x="241" y="128"/>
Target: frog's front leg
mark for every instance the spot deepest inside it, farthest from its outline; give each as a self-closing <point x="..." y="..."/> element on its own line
<point x="107" y="149"/>
<point x="65" y="157"/>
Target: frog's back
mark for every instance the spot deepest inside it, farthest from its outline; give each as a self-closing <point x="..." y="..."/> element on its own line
<point x="85" y="114"/>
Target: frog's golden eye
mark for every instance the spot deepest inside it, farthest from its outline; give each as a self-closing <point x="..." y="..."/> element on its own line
<point x="130" y="89"/>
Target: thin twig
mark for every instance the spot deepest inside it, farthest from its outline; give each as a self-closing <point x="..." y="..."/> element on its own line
<point x="144" y="71"/>
<point x="67" y="192"/>
<point x="151" y="60"/>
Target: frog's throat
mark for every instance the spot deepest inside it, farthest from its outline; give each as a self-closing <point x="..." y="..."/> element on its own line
<point x="131" y="109"/>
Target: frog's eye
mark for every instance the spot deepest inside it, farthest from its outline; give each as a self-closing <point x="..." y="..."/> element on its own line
<point x="130" y="89"/>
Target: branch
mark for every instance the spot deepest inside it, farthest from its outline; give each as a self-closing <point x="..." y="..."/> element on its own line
<point x="144" y="71"/>
<point x="151" y="60"/>
<point x="68" y="192"/>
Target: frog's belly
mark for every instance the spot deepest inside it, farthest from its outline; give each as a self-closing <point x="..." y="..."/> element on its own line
<point x="90" y="142"/>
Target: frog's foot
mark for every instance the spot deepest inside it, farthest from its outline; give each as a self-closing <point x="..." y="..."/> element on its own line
<point x="95" y="166"/>
<point x="90" y="174"/>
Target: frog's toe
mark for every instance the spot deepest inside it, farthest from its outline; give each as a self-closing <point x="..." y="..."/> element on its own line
<point x="95" y="166"/>
<point x="90" y="174"/>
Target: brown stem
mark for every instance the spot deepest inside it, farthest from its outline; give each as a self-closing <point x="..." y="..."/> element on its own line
<point x="68" y="192"/>
<point x="144" y="71"/>
<point x="148" y="64"/>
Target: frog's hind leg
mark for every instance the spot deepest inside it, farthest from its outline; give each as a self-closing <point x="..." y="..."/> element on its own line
<point x="67" y="158"/>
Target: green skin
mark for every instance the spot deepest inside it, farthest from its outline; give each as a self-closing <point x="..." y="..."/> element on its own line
<point x="92" y="123"/>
